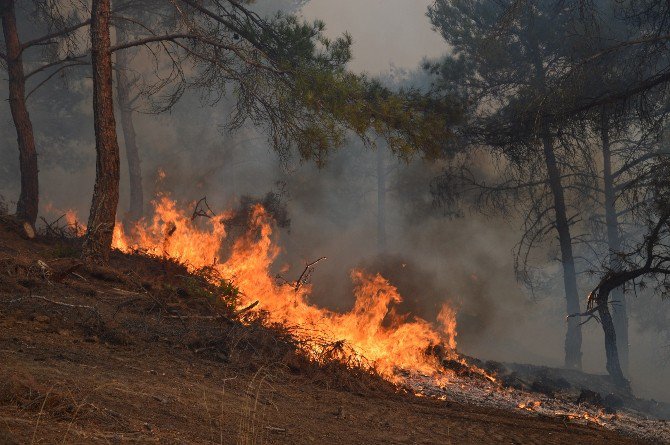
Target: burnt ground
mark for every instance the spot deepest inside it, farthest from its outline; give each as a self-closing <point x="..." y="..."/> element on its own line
<point x="141" y="353"/>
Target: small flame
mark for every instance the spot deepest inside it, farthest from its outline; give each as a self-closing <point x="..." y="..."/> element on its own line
<point x="70" y="216"/>
<point x="530" y="406"/>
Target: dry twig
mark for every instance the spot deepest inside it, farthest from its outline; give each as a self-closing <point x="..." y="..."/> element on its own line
<point x="203" y="209"/>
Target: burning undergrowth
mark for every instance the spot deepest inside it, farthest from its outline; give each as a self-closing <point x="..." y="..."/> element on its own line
<point x="372" y="335"/>
<point x="232" y="273"/>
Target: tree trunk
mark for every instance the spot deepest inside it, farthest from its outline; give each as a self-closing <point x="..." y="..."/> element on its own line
<point x="620" y="316"/>
<point x="381" y="201"/>
<point x="573" y="337"/>
<point x="613" y="365"/>
<point x="123" y="94"/>
<point x="27" y="205"/>
<point x="101" y="220"/>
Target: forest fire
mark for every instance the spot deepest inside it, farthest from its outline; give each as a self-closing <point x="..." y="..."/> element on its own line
<point x="480" y="175"/>
<point x="374" y="335"/>
<point x="408" y="351"/>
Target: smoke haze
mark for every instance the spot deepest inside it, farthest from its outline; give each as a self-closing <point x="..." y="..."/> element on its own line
<point x="385" y="32"/>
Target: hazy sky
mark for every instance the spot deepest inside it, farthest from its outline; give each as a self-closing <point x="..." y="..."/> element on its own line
<point x="384" y="31"/>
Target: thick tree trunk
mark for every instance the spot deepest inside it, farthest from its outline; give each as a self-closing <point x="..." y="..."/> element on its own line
<point x="573" y="337"/>
<point x="613" y="365"/>
<point x="123" y="94"/>
<point x="27" y="205"/>
<point x="101" y="220"/>
<point x="620" y="316"/>
<point x="381" y="201"/>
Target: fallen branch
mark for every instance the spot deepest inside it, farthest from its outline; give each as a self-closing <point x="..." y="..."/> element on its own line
<point x="275" y="429"/>
<point x="126" y="292"/>
<point x="92" y="309"/>
<point x="247" y="309"/>
<point x="197" y="317"/>
<point x="49" y="226"/>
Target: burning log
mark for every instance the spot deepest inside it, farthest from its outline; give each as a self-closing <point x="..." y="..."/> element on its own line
<point x="612" y="403"/>
<point x="459" y="364"/>
<point x="247" y="308"/>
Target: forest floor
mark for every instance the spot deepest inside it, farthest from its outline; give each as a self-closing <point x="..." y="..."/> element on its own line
<point x="135" y="353"/>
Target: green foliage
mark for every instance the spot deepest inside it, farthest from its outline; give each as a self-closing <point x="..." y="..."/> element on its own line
<point x="229" y="291"/>
<point x="291" y="79"/>
<point x="501" y="64"/>
<point x="221" y="293"/>
<point x="410" y="121"/>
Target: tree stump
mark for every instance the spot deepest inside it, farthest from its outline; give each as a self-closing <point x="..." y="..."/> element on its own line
<point x="21" y="227"/>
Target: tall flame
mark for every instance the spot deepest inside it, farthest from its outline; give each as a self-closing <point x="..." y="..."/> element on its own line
<point x="370" y="329"/>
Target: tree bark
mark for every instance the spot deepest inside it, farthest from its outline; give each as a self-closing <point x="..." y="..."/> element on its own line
<point x="28" y="202"/>
<point x="620" y="316"/>
<point x="381" y="201"/>
<point x="613" y="365"/>
<point x="97" y="244"/>
<point x="573" y="337"/>
<point x="123" y="94"/>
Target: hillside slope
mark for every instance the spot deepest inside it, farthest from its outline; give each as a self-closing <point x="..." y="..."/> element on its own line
<point x="138" y="353"/>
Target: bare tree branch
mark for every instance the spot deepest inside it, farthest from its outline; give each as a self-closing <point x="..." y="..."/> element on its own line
<point x="46" y="39"/>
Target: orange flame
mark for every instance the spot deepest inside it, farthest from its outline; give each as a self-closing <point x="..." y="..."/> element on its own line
<point x="70" y="216"/>
<point x="447" y="317"/>
<point x="386" y="345"/>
